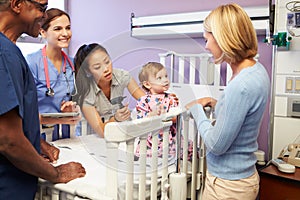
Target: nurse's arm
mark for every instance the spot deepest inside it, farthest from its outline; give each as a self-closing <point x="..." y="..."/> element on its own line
<point x="135" y="89"/>
<point x="94" y="119"/>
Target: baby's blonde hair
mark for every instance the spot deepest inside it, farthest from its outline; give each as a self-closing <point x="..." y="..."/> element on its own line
<point x="151" y="68"/>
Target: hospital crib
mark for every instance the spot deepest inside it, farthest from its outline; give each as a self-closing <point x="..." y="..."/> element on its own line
<point x="192" y="76"/>
<point x="151" y="178"/>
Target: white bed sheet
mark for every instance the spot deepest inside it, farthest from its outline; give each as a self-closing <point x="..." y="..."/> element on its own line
<point x="91" y="152"/>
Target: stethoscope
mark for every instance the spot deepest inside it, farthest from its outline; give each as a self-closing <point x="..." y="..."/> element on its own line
<point x="50" y="91"/>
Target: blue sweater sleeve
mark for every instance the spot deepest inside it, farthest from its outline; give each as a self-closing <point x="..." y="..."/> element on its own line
<point x="231" y="110"/>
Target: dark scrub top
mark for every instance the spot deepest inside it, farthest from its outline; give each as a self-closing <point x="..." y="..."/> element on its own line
<point x="17" y="90"/>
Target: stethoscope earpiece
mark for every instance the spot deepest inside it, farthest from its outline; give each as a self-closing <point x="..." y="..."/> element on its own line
<point x="50" y="92"/>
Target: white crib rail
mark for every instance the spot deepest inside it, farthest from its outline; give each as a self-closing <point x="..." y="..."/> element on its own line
<point x="188" y="130"/>
<point x="194" y="70"/>
<point x="116" y="133"/>
<point x="200" y="63"/>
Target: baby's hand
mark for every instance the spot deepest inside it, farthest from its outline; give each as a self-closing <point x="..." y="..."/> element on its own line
<point x="175" y="98"/>
<point x="158" y="111"/>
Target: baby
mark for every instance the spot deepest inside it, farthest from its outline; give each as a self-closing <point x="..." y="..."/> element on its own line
<point x="154" y="79"/>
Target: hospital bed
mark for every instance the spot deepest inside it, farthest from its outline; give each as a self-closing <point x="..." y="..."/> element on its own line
<point x="109" y="164"/>
<point x="112" y="170"/>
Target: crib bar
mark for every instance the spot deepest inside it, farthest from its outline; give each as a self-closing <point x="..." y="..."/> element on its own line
<point x="210" y="65"/>
<point x="111" y="171"/>
<point x="217" y="80"/>
<point x="162" y="60"/>
<point x="172" y="61"/>
<point x="185" y="146"/>
<point x="72" y="131"/>
<point x="129" y="177"/>
<point x="192" y="70"/>
<point x="228" y="73"/>
<point x="54" y="194"/>
<point x="164" y="181"/>
<point x="206" y="70"/>
<point x="201" y="153"/>
<point x="48" y="132"/>
<point x="202" y="167"/>
<point x="41" y="193"/>
<point x="181" y="70"/>
<point x="142" y="176"/>
<point x="84" y="127"/>
<point x="203" y="69"/>
<point x="194" y="164"/>
<point x="154" y="166"/>
<point x="179" y="130"/>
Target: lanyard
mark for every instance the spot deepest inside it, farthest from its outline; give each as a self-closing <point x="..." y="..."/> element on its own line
<point x="66" y="58"/>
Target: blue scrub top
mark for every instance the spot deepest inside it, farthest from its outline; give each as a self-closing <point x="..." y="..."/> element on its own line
<point x="58" y="82"/>
<point x="17" y="90"/>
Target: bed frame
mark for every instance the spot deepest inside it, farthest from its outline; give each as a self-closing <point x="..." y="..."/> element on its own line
<point x="127" y="132"/>
<point x="193" y="76"/>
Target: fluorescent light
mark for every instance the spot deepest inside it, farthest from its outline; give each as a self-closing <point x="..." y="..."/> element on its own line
<point x="183" y="25"/>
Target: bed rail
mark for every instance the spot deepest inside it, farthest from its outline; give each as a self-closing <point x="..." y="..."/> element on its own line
<point x="118" y="133"/>
<point x="195" y="75"/>
<point x="191" y="68"/>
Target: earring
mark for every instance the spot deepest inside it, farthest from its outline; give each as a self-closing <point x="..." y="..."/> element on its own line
<point x="88" y="75"/>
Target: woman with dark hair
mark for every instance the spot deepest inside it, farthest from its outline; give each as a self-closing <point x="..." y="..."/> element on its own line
<point x="54" y="72"/>
<point x="101" y="88"/>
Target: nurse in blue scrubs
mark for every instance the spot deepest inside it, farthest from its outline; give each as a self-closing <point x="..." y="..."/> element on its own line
<point x="54" y="73"/>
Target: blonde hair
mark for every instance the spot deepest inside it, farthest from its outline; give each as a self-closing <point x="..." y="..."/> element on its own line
<point x="234" y="32"/>
<point x="151" y="68"/>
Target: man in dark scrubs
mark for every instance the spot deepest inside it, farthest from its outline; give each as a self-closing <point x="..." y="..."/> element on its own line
<point x="20" y="146"/>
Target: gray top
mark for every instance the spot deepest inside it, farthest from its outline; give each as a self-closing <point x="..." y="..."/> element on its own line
<point x="97" y="98"/>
